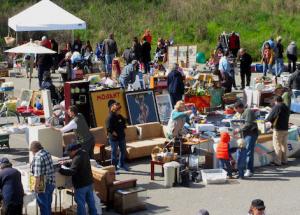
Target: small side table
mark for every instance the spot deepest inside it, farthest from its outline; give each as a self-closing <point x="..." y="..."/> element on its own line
<point x="130" y="200"/>
<point x="153" y="163"/>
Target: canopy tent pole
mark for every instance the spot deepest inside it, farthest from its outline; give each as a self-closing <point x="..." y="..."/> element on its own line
<point x="72" y="36"/>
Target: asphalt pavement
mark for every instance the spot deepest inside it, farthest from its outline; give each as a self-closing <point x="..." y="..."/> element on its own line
<point x="278" y="187"/>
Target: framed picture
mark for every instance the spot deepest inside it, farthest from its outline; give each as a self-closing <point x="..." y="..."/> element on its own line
<point x="100" y="104"/>
<point x="141" y="107"/>
<point x="164" y="107"/>
<point x="36" y="97"/>
<point x="25" y="97"/>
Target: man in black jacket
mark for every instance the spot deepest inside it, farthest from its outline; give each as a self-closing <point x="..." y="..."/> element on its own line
<point x="245" y="67"/>
<point x="279" y="117"/>
<point x="11" y="188"/>
<point x="294" y="79"/>
<point x="175" y="84"/>
<point x="82" y="178"/>
<point x="116" y="125"/>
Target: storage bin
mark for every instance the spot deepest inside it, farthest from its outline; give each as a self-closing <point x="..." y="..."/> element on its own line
<point x="259" y="68"/>
<point x="214" y="176"/>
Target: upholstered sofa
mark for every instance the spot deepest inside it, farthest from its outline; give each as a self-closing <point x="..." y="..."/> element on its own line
<point x="105" y="183"/>
<point x="149" y="136"/>
<point x="140" y="139"/>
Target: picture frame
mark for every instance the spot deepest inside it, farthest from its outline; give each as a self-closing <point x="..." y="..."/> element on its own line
<point x="100" y="104"/>
<point x="25" y="97"/>
<point x="164" y="107"/>
<point x="36" y="96"/>
<point x="141" y="107"/>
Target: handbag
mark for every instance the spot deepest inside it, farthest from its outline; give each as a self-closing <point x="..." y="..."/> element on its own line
<point x="9" y="40"/>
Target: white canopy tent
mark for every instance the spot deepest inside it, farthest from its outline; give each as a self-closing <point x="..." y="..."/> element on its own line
<point x="45" y="16"/>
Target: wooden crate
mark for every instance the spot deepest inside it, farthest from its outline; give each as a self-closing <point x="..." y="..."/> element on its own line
<point x="4" y="73"/>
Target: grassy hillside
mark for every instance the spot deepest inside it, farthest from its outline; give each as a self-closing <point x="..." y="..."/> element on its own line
<point x="188" y="21"/>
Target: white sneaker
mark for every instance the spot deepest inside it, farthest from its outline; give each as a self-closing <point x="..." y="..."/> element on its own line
<point x="248" y="173"/>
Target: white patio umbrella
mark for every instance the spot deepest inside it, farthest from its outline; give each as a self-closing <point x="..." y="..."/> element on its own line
<point x="30" y="48"/>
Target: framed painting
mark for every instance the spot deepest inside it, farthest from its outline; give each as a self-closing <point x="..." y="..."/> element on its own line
<point x="100" y="104"/>
<point x="164" y="107"/>
<point x="36" y="97"/>
<point x="141" y="107"/>
<point x="25" y="97"/>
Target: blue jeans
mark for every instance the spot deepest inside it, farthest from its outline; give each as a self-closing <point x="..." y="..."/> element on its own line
<point x="122" y="82"/>
<point x="241" y="155"/>
<point x="108" y="62"/>
<point x="225" y="164"/>
<point x="44" y="200"/>
<point x="41" y="71"/>
<point x="266" y="68"/>
<point x="250" y="145"/>
<point x="114" y="149"/>
<point x="279" y="66"/>
<point x="85" y="195"/>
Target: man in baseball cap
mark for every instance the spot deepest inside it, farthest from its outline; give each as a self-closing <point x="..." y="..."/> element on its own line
<point x="82" y="178"/>
<point x="257" y="207"/>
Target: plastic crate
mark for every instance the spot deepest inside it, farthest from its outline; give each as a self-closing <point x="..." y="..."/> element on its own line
<point x="259" y="68"/>
<point x="214" y="176"/>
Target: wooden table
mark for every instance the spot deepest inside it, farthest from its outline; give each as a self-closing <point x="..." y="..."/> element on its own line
<point x="153" y="163"/>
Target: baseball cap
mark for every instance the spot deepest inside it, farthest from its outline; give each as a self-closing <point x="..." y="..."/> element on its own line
<point x="258" y="203"/>
<point x="4" y="160"/>
<point x="202" y="212"/>
<point x="73" y="147"/>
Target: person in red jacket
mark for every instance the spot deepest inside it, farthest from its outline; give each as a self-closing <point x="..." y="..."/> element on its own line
<point x="234" y="43"/>
<point x="223" y="153"/>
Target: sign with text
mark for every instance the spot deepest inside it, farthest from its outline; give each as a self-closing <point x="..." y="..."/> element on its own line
<point x="100" y="104"/>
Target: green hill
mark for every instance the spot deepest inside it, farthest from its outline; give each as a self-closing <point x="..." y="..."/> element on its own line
<point x="187" y="21"/>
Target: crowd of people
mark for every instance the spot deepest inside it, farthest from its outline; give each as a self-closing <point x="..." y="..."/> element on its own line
<point x="138" y="58"/>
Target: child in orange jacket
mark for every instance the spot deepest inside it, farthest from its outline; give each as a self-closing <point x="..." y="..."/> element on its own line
<point x="223" y="153"/>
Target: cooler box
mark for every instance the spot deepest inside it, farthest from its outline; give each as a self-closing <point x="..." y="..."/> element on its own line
<point x="259" y="68"/>
<point x="214" y="176"/>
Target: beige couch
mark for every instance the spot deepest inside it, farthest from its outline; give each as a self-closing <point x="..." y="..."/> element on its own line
<point x="150" y="135"/>
<point x="140" y="139"/>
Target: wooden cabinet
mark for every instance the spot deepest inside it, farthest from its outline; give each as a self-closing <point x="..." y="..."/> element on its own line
<point x="77" y="93"/>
